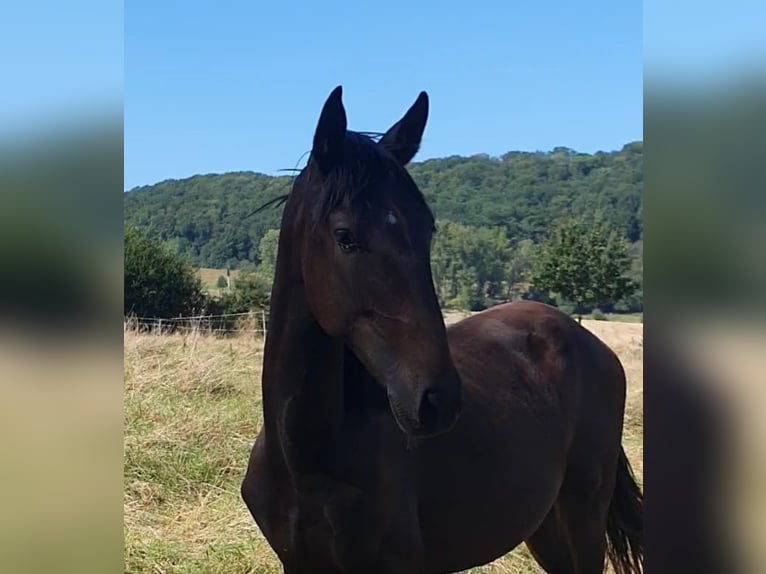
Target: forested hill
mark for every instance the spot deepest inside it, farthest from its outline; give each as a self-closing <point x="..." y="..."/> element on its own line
<point x="205" y="215"/>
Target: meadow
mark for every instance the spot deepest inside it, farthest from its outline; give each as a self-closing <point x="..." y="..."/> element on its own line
<point x="192" y="410"/>
<point x="209" y="277"/>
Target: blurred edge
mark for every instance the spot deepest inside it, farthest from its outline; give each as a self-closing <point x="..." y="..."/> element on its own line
<point x="705" y="232"/>
<point x="61" y="352"/>
<point x="61" y="180"/>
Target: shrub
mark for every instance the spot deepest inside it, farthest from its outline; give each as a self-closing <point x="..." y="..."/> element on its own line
<point x="598" y="315"/>
<point x="158" y="283"/>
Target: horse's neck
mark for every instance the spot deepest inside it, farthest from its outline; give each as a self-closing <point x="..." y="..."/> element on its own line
<point x="302" y="384"/>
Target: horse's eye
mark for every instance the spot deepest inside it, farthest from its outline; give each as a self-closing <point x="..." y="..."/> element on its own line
<point x="346" y="240"/>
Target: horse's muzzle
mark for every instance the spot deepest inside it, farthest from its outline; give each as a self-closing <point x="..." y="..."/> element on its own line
<point x="429" y="412"/>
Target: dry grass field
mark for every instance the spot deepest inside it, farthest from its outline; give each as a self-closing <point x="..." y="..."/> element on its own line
<point x="209" y="276"/>
<point x="192" y="411"/>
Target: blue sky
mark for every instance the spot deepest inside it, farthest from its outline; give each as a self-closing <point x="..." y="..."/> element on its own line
<point x="231" y="85"/>
<point x="223" y="86"/>
<point x="703" y="43"/>
<point x="61" y="62"/>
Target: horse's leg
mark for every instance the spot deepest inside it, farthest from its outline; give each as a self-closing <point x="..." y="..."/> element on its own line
<point x="583" y="507"/>
<point x="586" y="531"/>
<point x="572" y="538"/>
<point x="549" y="546"/>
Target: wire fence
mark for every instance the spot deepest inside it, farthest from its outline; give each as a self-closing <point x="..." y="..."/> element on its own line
<point x="253" y="323"/>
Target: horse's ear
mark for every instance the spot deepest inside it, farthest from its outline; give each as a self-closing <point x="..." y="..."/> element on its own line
<point x="403" y="139"/>
<point x="330" y="132"/>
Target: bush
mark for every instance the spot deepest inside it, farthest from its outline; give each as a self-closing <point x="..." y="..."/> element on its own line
<point x="598" y="315"/>
<point x="250" y="292"/>
<point x="631" y="304"/>
<point x="158" y="283"/>
<point x="221" y="283"/>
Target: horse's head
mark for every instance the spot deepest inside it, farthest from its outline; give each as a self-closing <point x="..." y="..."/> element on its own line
<point x="365" y="263"/>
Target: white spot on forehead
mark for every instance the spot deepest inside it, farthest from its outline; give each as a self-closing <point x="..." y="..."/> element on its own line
<point x="391" y="218"/>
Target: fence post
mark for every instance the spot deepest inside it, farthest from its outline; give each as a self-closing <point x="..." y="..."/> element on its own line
<point x="263" y="323"/>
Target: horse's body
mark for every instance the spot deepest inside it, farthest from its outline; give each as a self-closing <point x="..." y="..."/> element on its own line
<point x="534" y="455"/>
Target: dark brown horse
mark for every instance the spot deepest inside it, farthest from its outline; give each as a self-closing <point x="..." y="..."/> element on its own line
<point x="393" y="445"/>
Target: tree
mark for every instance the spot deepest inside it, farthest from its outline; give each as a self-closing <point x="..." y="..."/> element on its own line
<point x="208" y="217"/>
<point x="520" y="265"/>
<point x="584" y="264"/>
<point x="267" y="251"/>
<point x="158" y="283"/>
<point x="469" y="265"/>
<point x="251" y="292"/>
<point x="221" y="283"/>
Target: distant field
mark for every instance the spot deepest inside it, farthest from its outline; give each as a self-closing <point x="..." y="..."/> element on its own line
<point x="209" y="276"/>
<point x="192" y="410"/>
<point x="620" y="317"/>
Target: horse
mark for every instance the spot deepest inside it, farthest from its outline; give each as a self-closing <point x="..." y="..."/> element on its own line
<point x="392" y="444"/>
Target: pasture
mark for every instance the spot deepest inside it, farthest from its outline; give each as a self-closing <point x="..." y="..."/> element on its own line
<point x="192" y="411"/>
<point x="209" y="277"/>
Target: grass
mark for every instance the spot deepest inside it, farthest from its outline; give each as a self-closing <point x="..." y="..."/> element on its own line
<point x="192" y="410"/>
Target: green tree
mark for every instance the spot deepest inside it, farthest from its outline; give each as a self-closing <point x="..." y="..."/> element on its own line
<point x="158" y="283"/>
<point x="221" y="283"/>
<point x="469" y="265"/>
<point x="520" y="263"/>
<point x="267" y="251"/>
<point x="207" y="217"/>
<point x="584" y="264"/>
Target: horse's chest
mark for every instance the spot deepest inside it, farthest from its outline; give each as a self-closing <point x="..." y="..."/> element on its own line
<point x="331" y="527"/>
<point x="319" y="529"/>
<point x="341" y="522"/>
<point x="312" y="536"/>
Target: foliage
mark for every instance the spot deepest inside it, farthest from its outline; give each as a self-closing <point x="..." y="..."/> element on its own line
<point x="469" y="265"/>
<point x="267" y="253"/>
<point x="523" y="192"/>
<point x="221" y="282"/>
<point x="206" y="216"/>
<point x="598" y="315"/>
<point x="492" y="213"/>
<point x="520" y="264"/>
<point x="584" y="264"/>
<point x="250" y="292"/>
<point x="157" y="282"/>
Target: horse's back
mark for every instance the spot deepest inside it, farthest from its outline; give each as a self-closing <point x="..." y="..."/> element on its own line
<point x="531" y="378"/>
<point x="536" y="355"/>
<point x="545" y="344"/>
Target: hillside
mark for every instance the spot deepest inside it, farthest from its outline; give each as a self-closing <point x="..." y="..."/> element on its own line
<point x="205" y="216"/>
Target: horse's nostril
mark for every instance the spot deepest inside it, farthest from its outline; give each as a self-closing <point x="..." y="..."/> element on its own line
<point x="433" y="398"/>
<point x="430" y="404"/>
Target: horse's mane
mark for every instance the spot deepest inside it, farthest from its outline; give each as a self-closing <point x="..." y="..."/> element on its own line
<point x="363" y="161"/>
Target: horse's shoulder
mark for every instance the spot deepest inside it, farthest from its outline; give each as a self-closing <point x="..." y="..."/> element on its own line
<point x="517" y="321"/>
<point x="525" y="336"/>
